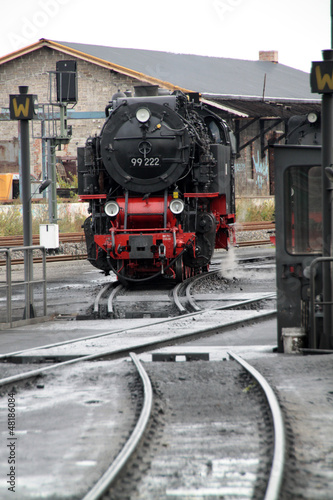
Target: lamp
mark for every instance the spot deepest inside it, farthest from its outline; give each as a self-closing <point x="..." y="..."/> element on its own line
<point x="41" y="187"/>
<point x="44" y="185"/>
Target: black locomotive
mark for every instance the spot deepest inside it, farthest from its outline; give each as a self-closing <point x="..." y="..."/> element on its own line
<point x="160" y="184"/>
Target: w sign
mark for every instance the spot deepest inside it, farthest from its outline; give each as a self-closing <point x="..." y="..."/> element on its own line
<point x="321" y="77"/>
<point x="22" y="106"/>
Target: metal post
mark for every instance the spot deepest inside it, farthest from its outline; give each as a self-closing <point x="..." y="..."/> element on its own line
<point x="331" y="24"/>
<point x="53" y="209"/>
<point x="44" y="164"/>
<point x="326" y="340"/>
<point x="63" y="121"/>
<point x="26" y="206"/>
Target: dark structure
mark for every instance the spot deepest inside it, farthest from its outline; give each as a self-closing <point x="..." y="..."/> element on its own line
<point x="301" y="263"/>
<point x="160" y="184"/>
<point x="304" y="221"/>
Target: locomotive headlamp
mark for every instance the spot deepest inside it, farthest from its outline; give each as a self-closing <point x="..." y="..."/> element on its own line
<point x="142" y="115"/>
<point x="177" y="206"/>
<point x="111" y="208"/>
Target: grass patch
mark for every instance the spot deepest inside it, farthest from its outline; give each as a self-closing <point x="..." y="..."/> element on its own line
<point x="255" y="210"/>
<point x="11" y="221"/>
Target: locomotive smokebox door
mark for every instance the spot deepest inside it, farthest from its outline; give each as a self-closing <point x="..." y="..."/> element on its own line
<point x="298" y="214"/>
<point x="141" y="247"/>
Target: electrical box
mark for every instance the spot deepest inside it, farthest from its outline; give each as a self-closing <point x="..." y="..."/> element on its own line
<point x="49" y="236"/>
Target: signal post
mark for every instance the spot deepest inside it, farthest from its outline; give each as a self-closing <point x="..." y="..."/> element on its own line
<point x="321" y="80"/>
<point x="22" y="108"/>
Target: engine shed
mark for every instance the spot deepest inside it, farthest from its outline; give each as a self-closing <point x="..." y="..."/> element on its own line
<point x="251" y="95"/>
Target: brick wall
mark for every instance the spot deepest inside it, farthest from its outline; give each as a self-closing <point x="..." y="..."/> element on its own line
<point x="252" y="168"/>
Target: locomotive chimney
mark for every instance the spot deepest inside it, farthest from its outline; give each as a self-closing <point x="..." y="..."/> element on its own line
<point x="146" y="90"/>
<point x="269" y="55"/>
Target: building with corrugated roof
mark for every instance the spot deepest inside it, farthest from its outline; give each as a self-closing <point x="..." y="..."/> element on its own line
<point x="256" y="97"/>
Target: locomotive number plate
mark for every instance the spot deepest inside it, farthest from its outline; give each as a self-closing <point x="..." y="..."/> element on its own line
<point x="151" y="161"/>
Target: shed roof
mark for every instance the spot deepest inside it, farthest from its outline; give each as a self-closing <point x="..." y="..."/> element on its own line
<point x="253" y="88"/>
<point x="205" y="74"/>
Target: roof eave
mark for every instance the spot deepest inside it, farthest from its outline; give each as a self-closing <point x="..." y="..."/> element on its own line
<point x="227" y="109"/>
<point x="266" y="99"/>
<point x="22" y="52"/>
<point x="43" y="42"/>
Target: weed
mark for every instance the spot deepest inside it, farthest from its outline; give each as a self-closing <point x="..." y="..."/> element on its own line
<point x="11" y="222"/>
<point x="251" y="211"/>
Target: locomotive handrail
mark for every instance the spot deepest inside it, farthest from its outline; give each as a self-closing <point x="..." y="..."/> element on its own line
<point x="142" y="230"/>
<point x="201" y="195"/>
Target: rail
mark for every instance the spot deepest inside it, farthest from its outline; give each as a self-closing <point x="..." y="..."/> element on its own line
<point x="130" y="446"/>
<point x="254" y="226"/>
<point x="14" y="241"/>
<point x="10" y="241"/>
<point x="276" y="476"/>
<point x="28" y="283"/>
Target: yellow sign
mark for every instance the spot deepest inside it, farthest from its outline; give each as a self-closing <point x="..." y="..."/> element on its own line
<point x="321" y="77"/>
<point x="21" y="106"/>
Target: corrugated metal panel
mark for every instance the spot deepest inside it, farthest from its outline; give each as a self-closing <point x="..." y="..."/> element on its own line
<point x="206" y="74"/>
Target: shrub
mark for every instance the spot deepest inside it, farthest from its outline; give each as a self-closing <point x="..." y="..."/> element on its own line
<point x="11" y="220"/>
<point x="254" y="210"/>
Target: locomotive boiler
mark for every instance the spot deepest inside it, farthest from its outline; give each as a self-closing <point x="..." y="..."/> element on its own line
<point x="159" y="180"/>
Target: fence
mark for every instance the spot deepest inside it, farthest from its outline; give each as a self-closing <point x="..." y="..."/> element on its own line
<point x="17" y="278"/>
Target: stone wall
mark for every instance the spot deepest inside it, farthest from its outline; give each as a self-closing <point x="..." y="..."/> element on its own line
<point x="96" y="85"/>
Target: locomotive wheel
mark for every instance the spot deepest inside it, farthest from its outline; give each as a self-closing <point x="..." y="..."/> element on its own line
<point x="179" y="269"/>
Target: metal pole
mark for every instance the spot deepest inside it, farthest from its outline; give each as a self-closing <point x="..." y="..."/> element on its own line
<point x="53" y="209"/>
<point x="26" y="206"/>
<point x="331" y="24"/>
<point x="326" y="339"/>
<point x="44" y="165"/>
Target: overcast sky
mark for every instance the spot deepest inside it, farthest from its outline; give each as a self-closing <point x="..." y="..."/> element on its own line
<point x="298" y="29"/>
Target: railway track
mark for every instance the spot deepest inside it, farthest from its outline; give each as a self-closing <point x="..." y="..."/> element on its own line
<point x="243" y="467"/>
<point x="254" y="226"/>
<point x="197" y="458"/>
<point x="143" y="339"/>
<point x="13" y="241"/>
<point x="162" y="299"/>
<point x="115" y="301"/>
<point x="152" y="334"/>
<point x="17" y="241"/>
<point x="154" y="300"/>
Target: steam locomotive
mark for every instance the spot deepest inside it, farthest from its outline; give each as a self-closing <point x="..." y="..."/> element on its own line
<point x="159" y="180"/>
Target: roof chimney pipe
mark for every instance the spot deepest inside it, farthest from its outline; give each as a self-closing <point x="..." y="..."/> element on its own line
<point x="269" y="55"/>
